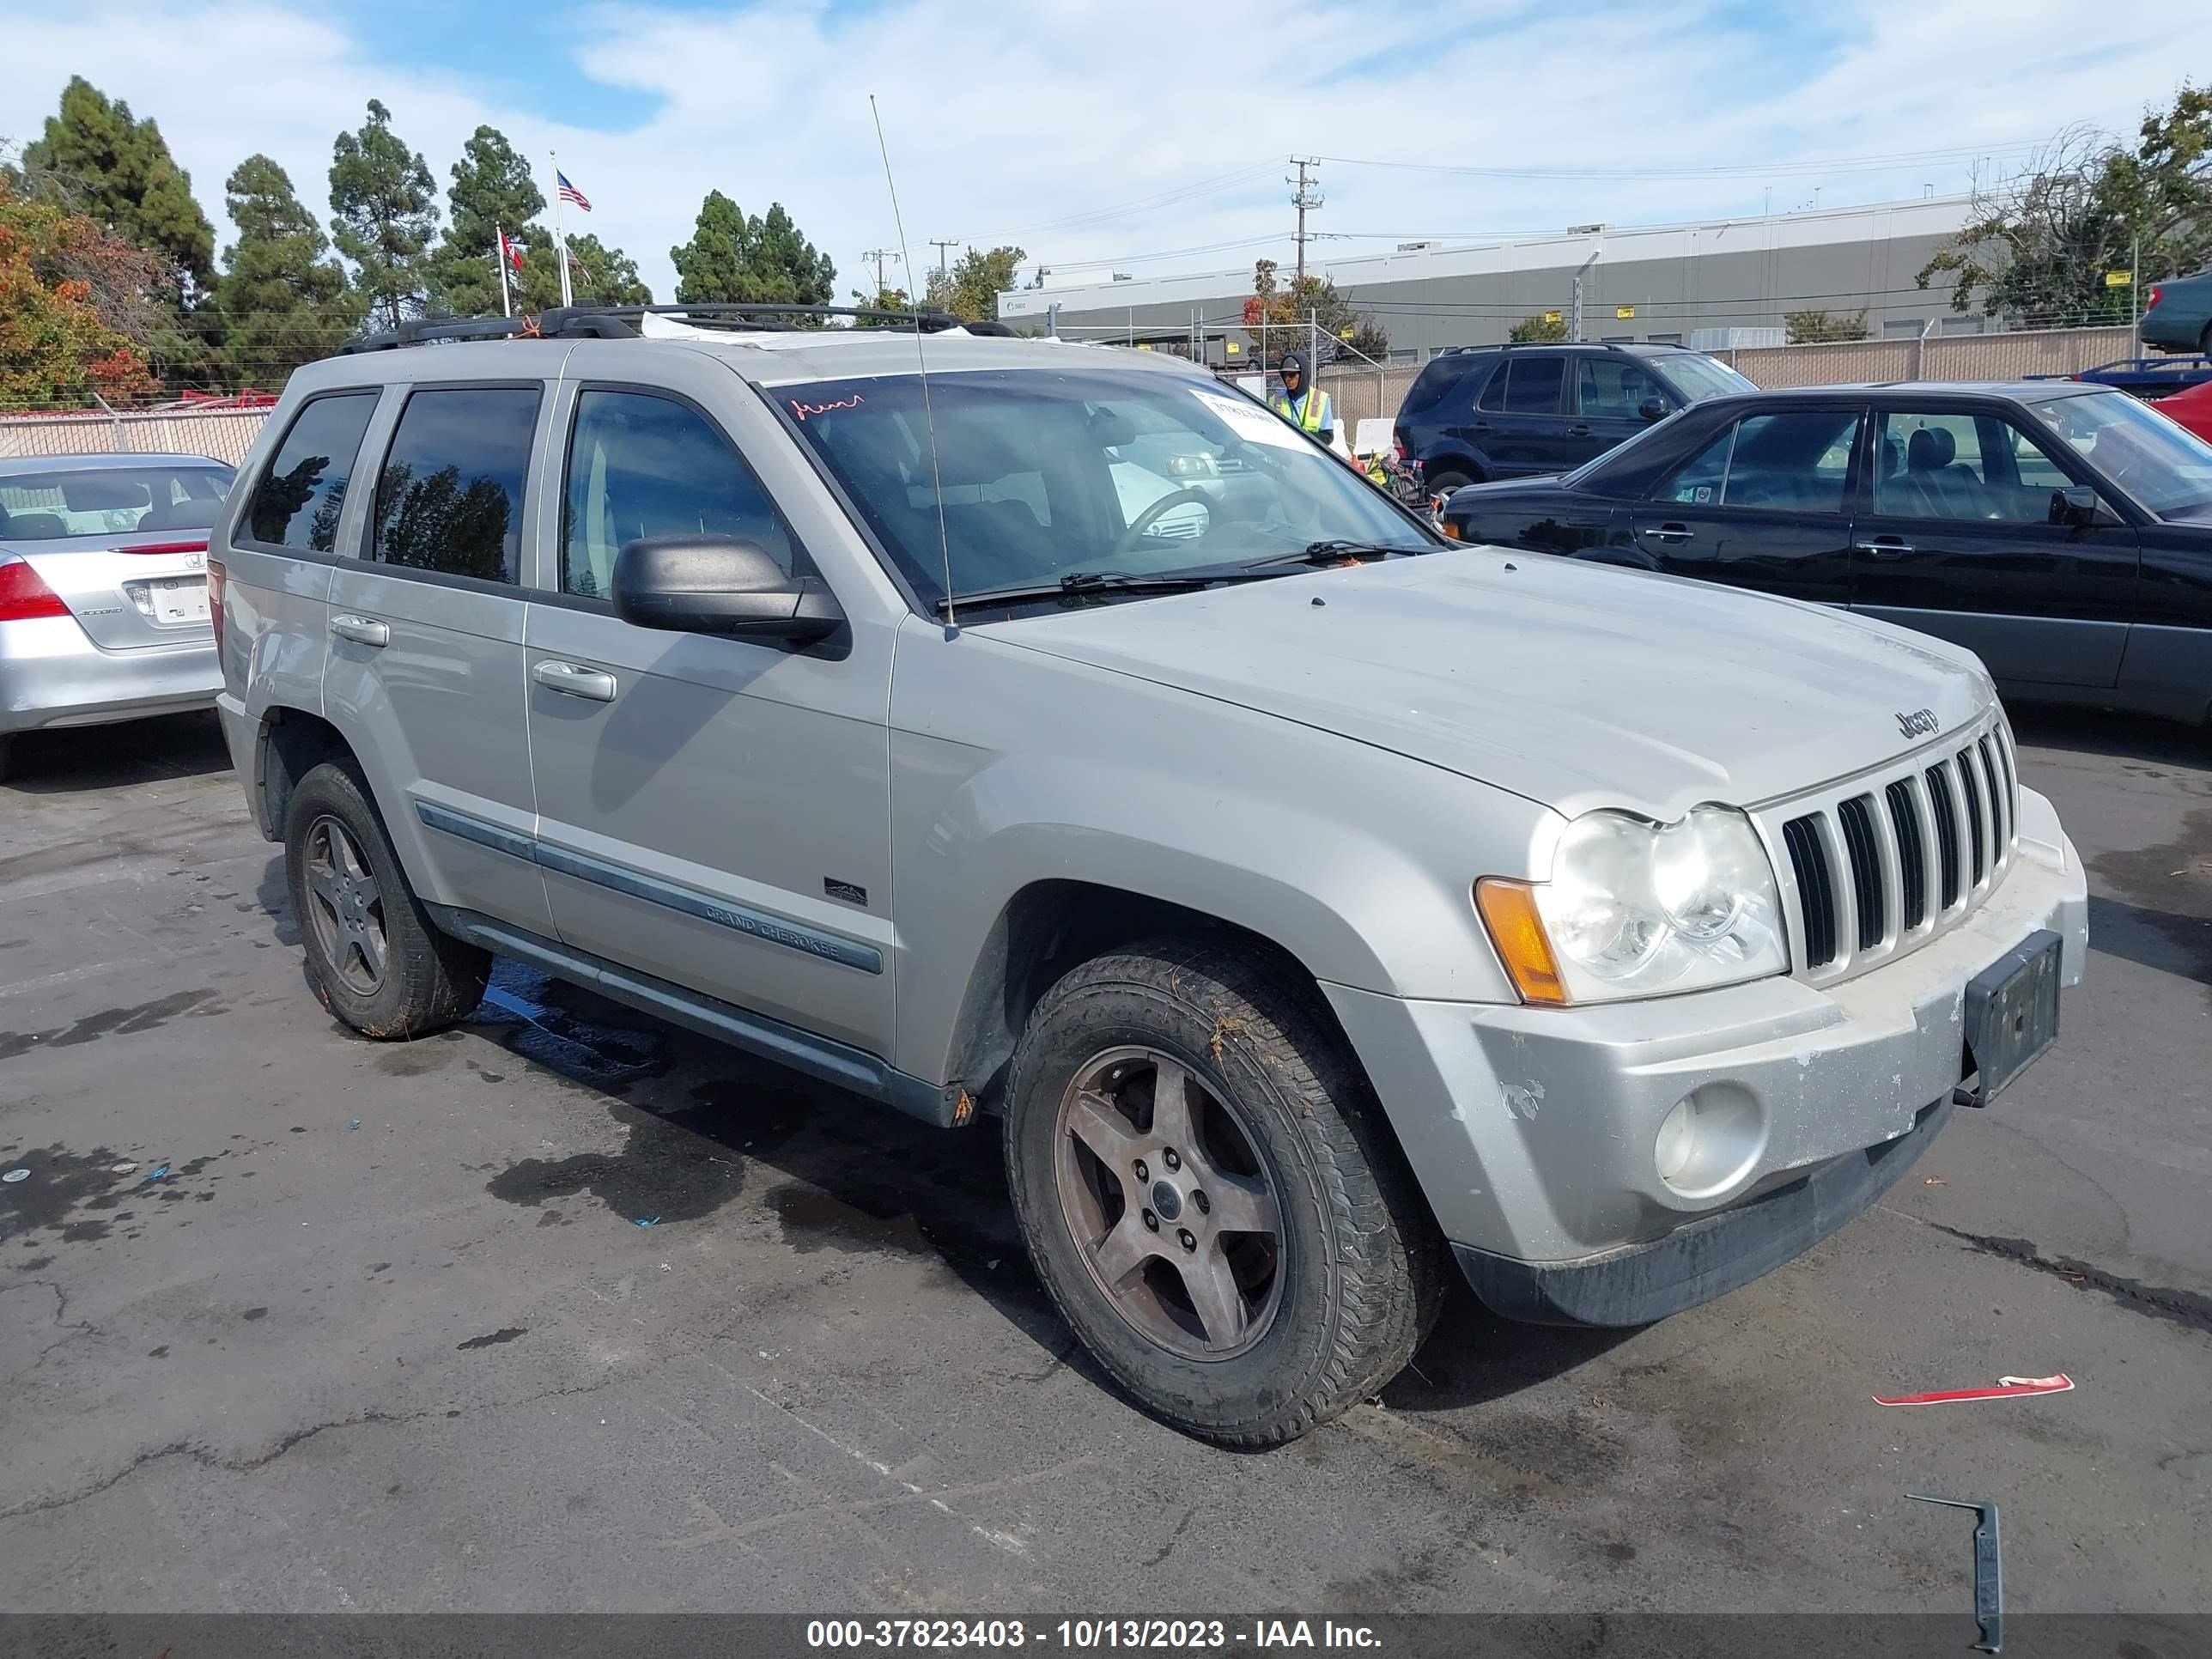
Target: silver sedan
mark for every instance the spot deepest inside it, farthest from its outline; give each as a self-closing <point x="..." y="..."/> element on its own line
<point x="103" y="589"/>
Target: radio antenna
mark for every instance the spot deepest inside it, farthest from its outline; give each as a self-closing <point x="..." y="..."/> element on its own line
<point x="921" y="363"/>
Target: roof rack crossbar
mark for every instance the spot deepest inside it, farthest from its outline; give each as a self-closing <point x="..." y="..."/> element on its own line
<point x="620" y="322"/>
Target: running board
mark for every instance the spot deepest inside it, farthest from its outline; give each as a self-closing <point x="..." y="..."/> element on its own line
<point x="850" y="1068"/>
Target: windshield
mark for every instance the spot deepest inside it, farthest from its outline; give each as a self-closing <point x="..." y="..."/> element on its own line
<point x="1694" y="375"/>
<point x="109" y="500"/>
<point x="1045" y="472"/>
<point x="2161" y="464"/>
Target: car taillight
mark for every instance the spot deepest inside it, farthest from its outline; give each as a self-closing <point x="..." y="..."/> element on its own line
<point x="216" y="580"/>
<point x="24" y="594"/>
<point x="167" y="547"/>
<point x="2156" y="294"/>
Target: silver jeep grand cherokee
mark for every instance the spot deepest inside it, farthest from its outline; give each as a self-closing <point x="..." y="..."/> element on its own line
<point x="1009" y="728"/>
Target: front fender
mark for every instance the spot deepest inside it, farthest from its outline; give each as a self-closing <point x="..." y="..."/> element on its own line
<point x="1011" y="768"/>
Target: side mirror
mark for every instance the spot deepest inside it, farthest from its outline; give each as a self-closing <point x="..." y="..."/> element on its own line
<point x="2075" y="506"/>
<point x="1653" y="409"/>
<point x="718" y="585"/>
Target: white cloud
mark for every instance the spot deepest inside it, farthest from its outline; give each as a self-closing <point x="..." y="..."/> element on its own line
<point x="1026" y="123"/>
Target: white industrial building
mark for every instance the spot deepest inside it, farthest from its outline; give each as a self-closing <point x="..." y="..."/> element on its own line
<point x="1656" y="283"/>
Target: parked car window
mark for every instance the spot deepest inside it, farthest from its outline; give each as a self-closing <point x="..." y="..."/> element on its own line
<point x="1493" y="391"/>
<point x="450" y="496"/>
<point x="2162" y="465"/>
<point x="1797" y="459"/>
<point x="640" y="465"/>
<point x="1533" y="385"/>
<point x="1439" y="378"/>
<point x="109" y="500"/>
<point x="1945" y="465"/>
<point x="1611" y="388"/>
<point x="297" y="503"/>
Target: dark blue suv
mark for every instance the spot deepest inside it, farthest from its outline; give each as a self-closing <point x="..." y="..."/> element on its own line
<point x="1482" y="412"/>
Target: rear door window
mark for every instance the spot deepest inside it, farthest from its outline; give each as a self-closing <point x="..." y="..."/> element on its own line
<point x="1799" y="460"/>
<point x="1534" y="384"/>
<point x="449" y="499"/>
<point x="642" y="465"/>
<point x="297" y="503"/>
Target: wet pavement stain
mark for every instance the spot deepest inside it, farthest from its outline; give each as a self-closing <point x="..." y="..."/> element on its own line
<point x="2186" y="1308"/>
<point x="63" y="1184"/>
<point x="815" y="1220"/>
<point x="664" y="1170"/>
<point x="492" y="1339"/>
<point x="540" y="1018"/>
<point x="113" y="1022"/>
<point x="2168" y="921"/>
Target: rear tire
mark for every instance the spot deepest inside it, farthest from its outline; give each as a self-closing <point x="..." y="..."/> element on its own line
<point x="1255" y="1258"/>
<point x="1444" y="482"/>
<point x="377" y="961"/>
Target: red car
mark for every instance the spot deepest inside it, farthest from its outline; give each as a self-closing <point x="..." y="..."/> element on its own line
<point x="2191" y="409"/>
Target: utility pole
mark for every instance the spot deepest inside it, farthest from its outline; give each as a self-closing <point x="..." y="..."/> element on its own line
<point x="1306" y="199"/>
<point x="878" y="255"/>
<point x="940" y="245"/>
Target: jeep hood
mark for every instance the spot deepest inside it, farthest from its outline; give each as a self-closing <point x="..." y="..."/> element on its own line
<point x="1577" y="685"/>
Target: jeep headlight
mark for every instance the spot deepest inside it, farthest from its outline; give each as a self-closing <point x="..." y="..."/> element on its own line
<point x="1635" y="908"/>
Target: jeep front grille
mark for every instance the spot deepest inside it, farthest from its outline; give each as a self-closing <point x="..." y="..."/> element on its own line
<point x="1876" y="866"/>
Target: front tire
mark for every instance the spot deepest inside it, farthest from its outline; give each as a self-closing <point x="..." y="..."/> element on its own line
<point x="1210" y="1195"/>
<point x="376" y="960"/>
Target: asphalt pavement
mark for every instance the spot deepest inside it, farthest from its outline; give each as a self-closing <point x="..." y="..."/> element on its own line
<point x="387" y="1331"/>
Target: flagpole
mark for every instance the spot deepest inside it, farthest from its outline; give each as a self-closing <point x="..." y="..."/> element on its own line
<point x="499" y="257"/>
<point x="559" y="235"/>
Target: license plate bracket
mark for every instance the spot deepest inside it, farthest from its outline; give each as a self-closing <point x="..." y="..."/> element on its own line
<point x="180" y="600"/>
<point x="2011" y="1017"/>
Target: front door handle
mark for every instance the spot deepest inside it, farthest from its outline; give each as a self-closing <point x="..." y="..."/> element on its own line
<point x="1885" y="547"/>
<point x="1578" y="431"/>
<point x="361" y="630"/>
<point x="1673" y="532"/>
<point x="572" y="679"/>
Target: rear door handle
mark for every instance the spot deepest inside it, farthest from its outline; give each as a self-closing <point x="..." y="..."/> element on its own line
<point x="1885" y="547"/>
<point x="1673" y="532"/>
<point x="1578" y="431"/>
<point x="575" y="680"/>
<point x="361" y="630"/>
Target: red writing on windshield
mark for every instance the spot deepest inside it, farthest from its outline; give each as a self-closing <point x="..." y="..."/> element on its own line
<point x="802" y="410"/>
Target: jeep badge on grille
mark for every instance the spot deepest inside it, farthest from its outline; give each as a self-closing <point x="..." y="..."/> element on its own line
<point x="1920" y="723"/>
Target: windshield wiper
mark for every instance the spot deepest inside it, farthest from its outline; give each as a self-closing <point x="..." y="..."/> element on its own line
<point x="1334" y="552"/>
<point x="1076" y="584"/>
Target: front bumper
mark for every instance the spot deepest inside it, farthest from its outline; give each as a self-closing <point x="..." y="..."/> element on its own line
<point x="50" y="674"/>
<point x="1532" y="1130"/>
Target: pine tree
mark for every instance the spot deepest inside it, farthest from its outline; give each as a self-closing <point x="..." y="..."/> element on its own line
<point x="598" y="275"/>
<point x="732" y="257"/>
<point x="492" y="191"/>
<point x="118" y="173"/>
<point x="385" y="211"/>
<point x="282" y="302"/>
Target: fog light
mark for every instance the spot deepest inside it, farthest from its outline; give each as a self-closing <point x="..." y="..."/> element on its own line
<point x="1710" y="1142"/>
<point x="1678" y="1137"/>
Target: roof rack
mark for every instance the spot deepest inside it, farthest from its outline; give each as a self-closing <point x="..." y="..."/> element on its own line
<point x="620" y="323"/>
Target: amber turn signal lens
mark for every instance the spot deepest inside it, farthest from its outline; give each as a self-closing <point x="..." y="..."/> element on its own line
<point x="1509" y="910"/>
<point x="1451" y="530"/>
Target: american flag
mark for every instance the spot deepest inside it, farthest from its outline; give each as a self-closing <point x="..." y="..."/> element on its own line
<point x="570" y="193"/>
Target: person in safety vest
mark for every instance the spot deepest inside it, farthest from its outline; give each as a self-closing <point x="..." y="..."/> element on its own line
<point x="1308" y="409"/>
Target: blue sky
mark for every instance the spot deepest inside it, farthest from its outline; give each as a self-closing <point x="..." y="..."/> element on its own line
<point x="1141" y="135"/>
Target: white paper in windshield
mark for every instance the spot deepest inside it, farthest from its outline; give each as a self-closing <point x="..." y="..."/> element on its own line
<point x="1249" y="421"/>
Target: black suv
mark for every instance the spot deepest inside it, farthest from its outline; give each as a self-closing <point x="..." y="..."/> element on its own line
<point x="1481" y="412"/>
